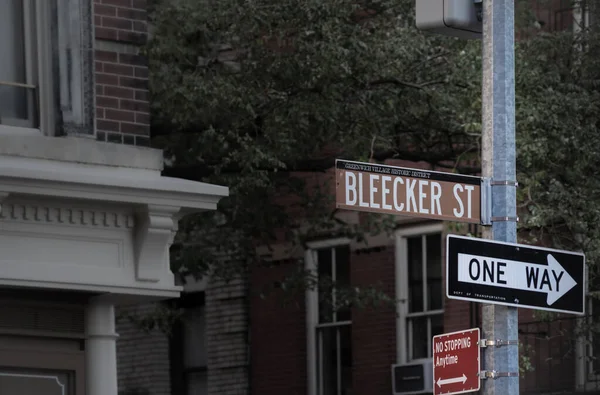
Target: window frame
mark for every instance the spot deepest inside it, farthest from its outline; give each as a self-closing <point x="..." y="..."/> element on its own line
<point x="312" y="312"/>
<point x="592" y="378"/>
<point x="178" y="371"/>
<point x="403" y="348"/>
<point x="47" y="56"/>
<point x="37" y="50"/>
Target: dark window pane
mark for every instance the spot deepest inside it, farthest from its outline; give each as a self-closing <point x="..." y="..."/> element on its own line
<point x="329" y="362"/>
<point x="13" y="100"/>
<point x="434" y="272"/>
<point x="325" y="292"/>
<point x="197" y="383"/>
<point x="415" y="274"/>
<point x="346" y="359"/>
<point x="194" y="337"/>
<point x="419" y="337"/>
<point x="342" y="265"/>
<point x="342" y="275"/>
<point x="335" y="358"/>
<point x="324" y="262"/>
<point x="595" y="337"/>
<point x="437" y="324"/>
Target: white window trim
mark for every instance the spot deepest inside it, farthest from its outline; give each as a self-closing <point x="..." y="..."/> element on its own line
<point x="73" y="45"/>
<point x="46" y="88"/>
<point x="401" y="270"/>
<point x="312" y="309"/>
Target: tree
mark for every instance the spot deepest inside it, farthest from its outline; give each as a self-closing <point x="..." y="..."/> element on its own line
<point x="262" y="96"/>
<point x="558" y="114"/>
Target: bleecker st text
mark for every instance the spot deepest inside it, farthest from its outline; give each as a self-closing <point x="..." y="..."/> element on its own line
<point x="408" y="195"/>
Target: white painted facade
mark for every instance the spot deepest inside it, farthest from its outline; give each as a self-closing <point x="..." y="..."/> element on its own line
<point x="95" y="219"/>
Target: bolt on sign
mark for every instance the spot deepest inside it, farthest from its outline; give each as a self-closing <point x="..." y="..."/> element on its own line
<point x="456" y="362"/>
<point x="412" y="192"/>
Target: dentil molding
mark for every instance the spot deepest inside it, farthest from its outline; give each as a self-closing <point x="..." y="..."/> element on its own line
<point x="90" y="227"/>
<point x="47" y="214"/>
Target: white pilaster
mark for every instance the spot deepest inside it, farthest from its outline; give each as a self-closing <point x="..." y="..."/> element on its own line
<point x="100" y="349"/>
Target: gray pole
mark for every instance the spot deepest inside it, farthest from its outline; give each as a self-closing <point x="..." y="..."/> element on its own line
<point x="498" y="162"/>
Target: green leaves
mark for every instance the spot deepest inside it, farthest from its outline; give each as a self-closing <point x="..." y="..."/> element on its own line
<point x="263" y="95"/>
<point x="558" y="114"/>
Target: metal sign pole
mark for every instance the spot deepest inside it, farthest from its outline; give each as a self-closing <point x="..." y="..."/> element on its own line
<point x="498" y="162"/>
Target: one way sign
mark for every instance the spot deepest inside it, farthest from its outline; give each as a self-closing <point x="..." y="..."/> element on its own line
<point x="515" y="275"/>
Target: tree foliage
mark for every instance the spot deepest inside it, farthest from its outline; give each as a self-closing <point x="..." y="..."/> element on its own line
<point x="558" y="116"/>
<point x="263" y="95"/>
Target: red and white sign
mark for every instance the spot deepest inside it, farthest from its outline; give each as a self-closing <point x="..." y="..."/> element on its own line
<point x="456" y="362"/>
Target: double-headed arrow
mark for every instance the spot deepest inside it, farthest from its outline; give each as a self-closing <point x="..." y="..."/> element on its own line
<point x="552" y="278"/>
<point x="452" y="380"/>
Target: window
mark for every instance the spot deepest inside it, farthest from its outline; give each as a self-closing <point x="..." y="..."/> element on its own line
<point x="419" y="285"/>
<point x="19" y="80"/>
<point x="189" y="348"/>
<point x="592" y="330"/>
<point x="329" y="322"/>
<point x="42" y="69"/>
<point x="593" y="341"/>
<point x="553" y="16"/>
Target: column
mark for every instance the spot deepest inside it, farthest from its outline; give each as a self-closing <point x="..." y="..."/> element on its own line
<point x="100" y="349"/>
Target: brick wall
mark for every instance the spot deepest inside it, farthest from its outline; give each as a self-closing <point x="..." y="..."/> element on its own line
<point x="278" y="336"/>
<point x="226" y="331"/>
<point x="373" y="330"/>
<point x="142" y="358"/>
<point x="121" y="74"/>
<point x="278" y="331"/>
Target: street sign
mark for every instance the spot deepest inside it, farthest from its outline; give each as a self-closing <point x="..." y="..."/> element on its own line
<point x="517" y="275"/>
<point x="456" y="362"/>
<point x="402" y="191"/>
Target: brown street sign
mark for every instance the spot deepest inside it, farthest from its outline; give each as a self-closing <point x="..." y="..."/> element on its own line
<point x="412" y="192"/>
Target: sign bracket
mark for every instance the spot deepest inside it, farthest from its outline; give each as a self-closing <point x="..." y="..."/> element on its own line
<point x="510" y="183"/>
<point x="486" y="201"/>
<point x="483" y="343"/>
<point x="492" y="374"/>
<point x="505" y="219"/>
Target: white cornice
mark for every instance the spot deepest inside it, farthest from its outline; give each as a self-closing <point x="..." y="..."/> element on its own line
<point x="92" y="227"/>
<point x="119" y="185"/>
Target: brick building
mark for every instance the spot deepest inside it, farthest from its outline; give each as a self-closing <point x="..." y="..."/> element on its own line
<point x="86" y="219"/>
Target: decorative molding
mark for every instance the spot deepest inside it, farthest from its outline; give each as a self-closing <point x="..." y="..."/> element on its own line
<point x="154" y="233"/>
<point x="3" y="196"/>
<point x="16" y="212"/>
